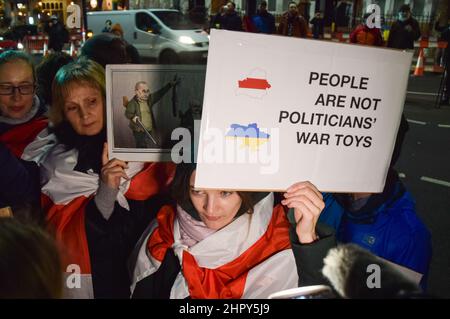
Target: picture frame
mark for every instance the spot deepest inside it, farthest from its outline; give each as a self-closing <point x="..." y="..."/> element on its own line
<point x="145" y="103"/>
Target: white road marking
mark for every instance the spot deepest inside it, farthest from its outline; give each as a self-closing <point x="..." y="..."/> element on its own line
<point x="416" y="122"/>
<point x="444" y="125"/>
<point x="401" y="175"/>
<point x="435" y="181"/>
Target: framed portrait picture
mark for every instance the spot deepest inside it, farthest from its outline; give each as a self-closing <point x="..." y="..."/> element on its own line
<point x="145" y="103"/>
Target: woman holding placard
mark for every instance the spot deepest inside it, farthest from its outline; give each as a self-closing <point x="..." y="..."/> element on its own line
<point x="229" y="244"/>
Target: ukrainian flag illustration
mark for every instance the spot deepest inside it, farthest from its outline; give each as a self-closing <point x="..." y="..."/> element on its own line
<point x="249" y="135"/>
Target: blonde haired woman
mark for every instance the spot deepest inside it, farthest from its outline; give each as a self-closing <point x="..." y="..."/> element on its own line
<point x="97" y="207"/>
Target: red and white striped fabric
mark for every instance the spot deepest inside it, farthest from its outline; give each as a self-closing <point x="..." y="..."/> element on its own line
<point x="29" y="141"/>
<point x="249" y="258"/>
<point x="430" y="43"/>
<point x="65" y="194"/>
<point x="34" y="44"/>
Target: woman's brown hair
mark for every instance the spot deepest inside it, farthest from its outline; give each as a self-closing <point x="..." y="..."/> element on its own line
<point x="30" y="265"/>
<point x="12" y="56"/>
<point x="83" y="71"/>
<point x="181" y="188"/>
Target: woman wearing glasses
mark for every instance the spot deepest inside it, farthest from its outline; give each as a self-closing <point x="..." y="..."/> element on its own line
<point x="23" y="134"/>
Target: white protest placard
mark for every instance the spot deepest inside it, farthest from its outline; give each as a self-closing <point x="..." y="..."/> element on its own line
<point x="279" y="110"/>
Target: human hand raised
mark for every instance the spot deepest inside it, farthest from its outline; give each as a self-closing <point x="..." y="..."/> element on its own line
<point x="112" y="170"/>
<point x="307" y="202"/>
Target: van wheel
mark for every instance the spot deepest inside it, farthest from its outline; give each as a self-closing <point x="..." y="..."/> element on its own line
<point x="168" y="57"/>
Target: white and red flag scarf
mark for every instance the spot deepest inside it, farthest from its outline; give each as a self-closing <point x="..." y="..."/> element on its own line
<point x="249" y="258"/>
<point x="66" y="192"/>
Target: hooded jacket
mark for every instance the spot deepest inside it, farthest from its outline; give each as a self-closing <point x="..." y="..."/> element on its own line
<point x="387" y="226"/>
<point x="400" y="38"/>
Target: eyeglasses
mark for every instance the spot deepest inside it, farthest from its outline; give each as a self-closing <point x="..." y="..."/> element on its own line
<point x="25" y="89"/>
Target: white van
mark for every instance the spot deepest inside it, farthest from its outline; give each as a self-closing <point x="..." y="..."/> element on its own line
<point x="162" y="34"/>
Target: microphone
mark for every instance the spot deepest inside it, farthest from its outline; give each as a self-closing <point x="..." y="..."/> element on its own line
<point x="357" y="273"/>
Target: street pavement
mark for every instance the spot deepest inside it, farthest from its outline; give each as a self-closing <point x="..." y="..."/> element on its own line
<point x="424" y="165"/>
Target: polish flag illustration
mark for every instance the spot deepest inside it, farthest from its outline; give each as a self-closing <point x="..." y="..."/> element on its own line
<point x="254" y="85"/>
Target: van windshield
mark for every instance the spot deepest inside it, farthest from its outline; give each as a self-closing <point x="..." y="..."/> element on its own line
<point x="175" y="20"/>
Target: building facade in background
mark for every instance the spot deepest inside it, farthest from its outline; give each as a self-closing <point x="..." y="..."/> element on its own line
<point x="344" y="14"/>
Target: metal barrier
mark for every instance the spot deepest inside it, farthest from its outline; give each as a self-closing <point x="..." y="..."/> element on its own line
<point x="34" y="44"/>
<point x="37" y="44"/>
<point x="428" y="45"/>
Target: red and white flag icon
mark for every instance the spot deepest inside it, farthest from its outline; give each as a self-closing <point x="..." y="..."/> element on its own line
<point x="254" y="85"/>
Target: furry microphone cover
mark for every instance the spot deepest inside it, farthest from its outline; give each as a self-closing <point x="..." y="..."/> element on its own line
<point x="356" y="273"/>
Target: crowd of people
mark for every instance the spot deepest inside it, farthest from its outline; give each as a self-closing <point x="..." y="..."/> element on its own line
<point x="403" y="32"/>
<point x="292" y="22"/>
<point x="142" y="230"/>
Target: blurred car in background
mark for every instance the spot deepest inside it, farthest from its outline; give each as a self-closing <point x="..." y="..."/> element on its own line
<point x="162" y="34"/>
<point x="10" y="38"/>
<point x="18" y="32"/>
<point x="6" y="45"/>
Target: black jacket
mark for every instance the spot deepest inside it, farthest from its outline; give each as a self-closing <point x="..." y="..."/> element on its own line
<point x="19" y="180"/>
<point x="232" y="22"/>
<point x="111" y="241"/>
<point x="400" y="38"/>
<point x="57" y="36"/>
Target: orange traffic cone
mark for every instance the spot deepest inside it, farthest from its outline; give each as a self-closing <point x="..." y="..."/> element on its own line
<point x="418" y="71"/>
<point x="45" y="50"/>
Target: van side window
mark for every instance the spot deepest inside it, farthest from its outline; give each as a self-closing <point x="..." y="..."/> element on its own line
<point x="146" y="23"/>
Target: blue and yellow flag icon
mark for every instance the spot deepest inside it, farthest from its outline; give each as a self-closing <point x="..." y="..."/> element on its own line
<point x="250" y="135"/>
